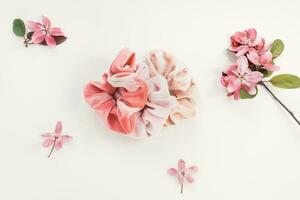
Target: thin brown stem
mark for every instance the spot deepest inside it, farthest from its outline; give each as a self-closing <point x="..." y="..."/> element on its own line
<point x="181" y="188"/>
<point x="27" y="42"/>
<point x="52" y="148"/>
<point x="281" y="103"/>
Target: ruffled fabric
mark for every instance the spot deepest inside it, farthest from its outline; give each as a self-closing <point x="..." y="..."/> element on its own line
<point x="128" y="99"/>
<point x="158" y="106"/>
<point x="180" y="83"/>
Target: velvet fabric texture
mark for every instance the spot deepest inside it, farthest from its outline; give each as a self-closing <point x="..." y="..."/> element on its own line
<point x="137" y="100"/>
<point x="180" y="83"/>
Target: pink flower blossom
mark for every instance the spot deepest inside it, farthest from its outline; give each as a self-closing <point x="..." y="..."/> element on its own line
<point x="183" y="173"/>
<point x="242" y="42"/>
<point x="262" y="58"/>
<point x="239" y="76"/>
<point x="55" y="139"/>
<point x="44" y="32"/>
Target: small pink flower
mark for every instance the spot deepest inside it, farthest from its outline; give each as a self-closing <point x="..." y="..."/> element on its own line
<point x="239" y="76"/>
<point x="242" y="42"/>
<point x="183" y="173"/>
<point x="262" y="58"/>
<point x="44" y="32"/>
<point x="55" y="139"/>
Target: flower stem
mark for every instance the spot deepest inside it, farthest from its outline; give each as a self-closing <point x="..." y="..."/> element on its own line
<point x="27" y="42"/>
<point x="280" y="102"/>
<point x="52" y="148"/>
<point x="181" y="189"/>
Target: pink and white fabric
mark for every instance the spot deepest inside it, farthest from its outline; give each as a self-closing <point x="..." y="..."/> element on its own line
<point x="180" y="83"/>
<point x="128" y="99"/>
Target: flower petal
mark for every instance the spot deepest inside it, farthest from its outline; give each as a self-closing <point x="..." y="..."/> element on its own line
<point x="56" y="32"/>
<point x="254" y="77"/>
<point x="239" y="37"/>
<point x="243" y="64"/>
<point x="271" y="67"/>
<point x="192" y="169"/>
<point x="48" y="142"/>
<point x="38" y="37"/>
<point x="266" y="58"/>
<point x="66" y="138"/>
<point x="34" y="26"/>
<point x="172" y="171"/>
<point x="234" y="85"/>
<point x="58" y="128"/>
<point x="46" y="22"/>
<point x="237" y="95"/>
<point x="250" y="89"/>
<point x="223" y="81"/>
<point x="46" y="135"/>
<point x="253" y="57"/>
<point x="242" y="52"/>
<point x="265" y="47"/>
<point x="50" y="40"/>
<point x="181" y="165"/>
<point x="251" y="33"/>
<point x="59" y="144"/>
<point x="189" y="178"/>
<point x="259" y="43"/>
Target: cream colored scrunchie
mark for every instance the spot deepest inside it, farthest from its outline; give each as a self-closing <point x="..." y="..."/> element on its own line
<point x="181" y="84"/>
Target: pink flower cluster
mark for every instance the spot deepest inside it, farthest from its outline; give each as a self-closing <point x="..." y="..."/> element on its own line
<point x="135" y="99"/>
<point x="44" y="32"/>
<point x="253" y="56"/>
<point x="254" y="47"/>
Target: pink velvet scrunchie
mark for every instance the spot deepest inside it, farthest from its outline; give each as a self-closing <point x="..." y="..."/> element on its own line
<point x="132" y="100"/>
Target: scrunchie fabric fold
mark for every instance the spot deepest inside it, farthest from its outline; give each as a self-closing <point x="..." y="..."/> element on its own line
<point x="118" y="106"/>
<point x="180" y="83"/>
<point x="129" y="100"/>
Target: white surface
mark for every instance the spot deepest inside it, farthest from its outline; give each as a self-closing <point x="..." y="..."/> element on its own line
<point x="245" y="150"/>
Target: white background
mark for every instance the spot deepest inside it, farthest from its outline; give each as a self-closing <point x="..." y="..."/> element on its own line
<point x="245" y="150"/>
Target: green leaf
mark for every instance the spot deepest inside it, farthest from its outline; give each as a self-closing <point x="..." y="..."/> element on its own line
<point x="19" y="27"/>
<point x="277" y="48"/>
<point x="286" y="81"/>
<point x="246" y="95"/>
<point x="266" y="72"/>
